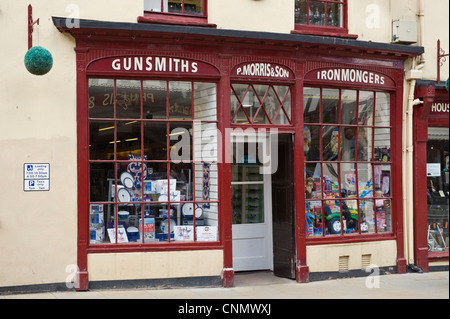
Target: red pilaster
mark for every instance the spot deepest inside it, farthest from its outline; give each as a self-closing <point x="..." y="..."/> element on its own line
<point x="225" y="171"/>
<point x="421" y="113"/>
<point x="82" y="280"/>
<point x="302" y="271"/>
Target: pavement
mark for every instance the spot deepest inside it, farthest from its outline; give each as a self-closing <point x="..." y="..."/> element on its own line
<point x="264" y="285"/>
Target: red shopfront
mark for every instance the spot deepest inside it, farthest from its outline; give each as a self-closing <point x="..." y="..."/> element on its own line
<point x="238" y="142"/>
<point x="431" y="185"/>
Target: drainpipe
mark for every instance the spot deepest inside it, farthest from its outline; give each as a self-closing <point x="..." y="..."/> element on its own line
<point x="411" y="76"/>
<point x="408" y="197"/>
<point x="421" y="16"/>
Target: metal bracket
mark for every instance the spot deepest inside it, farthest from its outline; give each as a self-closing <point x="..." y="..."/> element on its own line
<point x="30" y="26"/>
<point x="441" y="58"/>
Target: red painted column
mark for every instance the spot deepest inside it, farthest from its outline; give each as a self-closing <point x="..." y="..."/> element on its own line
<point x="224" y="117"/>
<point x="420" y="124"/>
<point x="302" y="271"/>
<point x="420" y="190"/>
<point x="82" y="281"/>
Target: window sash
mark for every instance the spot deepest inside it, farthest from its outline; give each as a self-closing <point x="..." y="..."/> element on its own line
<point x="322" y="24"/>
<point x="320" y="12"/>
<point x="353" y="190"/>
<point x="119" y="115"/>
<point x="261" y="104"/>
<point x="183" y="7"/>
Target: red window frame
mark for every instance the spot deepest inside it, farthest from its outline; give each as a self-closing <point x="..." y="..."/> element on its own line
<point x="180" y="18"/>
<point x="282" y="100"/>
<point x="307" y="28"/>
<point x="141" y="245"/>
<point x="358" y="235"/>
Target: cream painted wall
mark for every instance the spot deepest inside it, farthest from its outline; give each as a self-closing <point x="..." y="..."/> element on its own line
<point x="372" y="20"/>
<point x="323" y="258"/>
<point x="171" y="264"/>
<point x="38" y="125"/>
<point x="436" y="27"/>
<point x="252" y="15"/>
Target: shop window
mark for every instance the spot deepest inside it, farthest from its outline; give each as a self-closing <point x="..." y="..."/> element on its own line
<point x="438" y="189"/>
<point x="187" y="7"/>
<point x="152" y="161"/>
<point x="347" y="136"/>
<point x="260" y="104"/>
<point x="321" y="17"/>
<point x="177" y="12"/>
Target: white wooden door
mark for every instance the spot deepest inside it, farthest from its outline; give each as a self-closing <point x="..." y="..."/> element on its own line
<point x="252" y="206"/>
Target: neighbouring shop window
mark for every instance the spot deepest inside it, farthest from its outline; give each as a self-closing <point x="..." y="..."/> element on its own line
<point x="347" y="136"/>
<point x="320" y="12"/>
<point x="438" y="189"/>
<point x="260" y="104"/>
<point x="187" y="7"/>
<point x="152" y="161"/>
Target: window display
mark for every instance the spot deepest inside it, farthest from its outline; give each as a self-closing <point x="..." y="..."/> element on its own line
<point x="153" y="176"/>
<point x="347" y="189"/>
<point x="438" y="189"/>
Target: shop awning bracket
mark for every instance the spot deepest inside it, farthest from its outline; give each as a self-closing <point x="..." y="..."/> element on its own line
<point x="31" y="23"/>
<point x="441" y="58"/>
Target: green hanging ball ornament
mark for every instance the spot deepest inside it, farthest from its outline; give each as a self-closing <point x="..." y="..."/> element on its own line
<point x="38" y="60"/>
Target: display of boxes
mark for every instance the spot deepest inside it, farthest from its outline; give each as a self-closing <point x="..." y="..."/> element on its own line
<point x="148" y="229"/>
<point x="184" y="233"/>
<point x="133" y="234"/>
<point x="164" y="237"/>
<point x="96" y="218"/>
<point x="97" y="234"/>
<point x="96" y="214"/>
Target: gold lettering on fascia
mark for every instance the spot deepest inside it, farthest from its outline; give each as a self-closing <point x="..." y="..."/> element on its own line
<point x="350" y="75"/>
<point x="439" y="107"/>
<point x="154" y="64"/>
<point x="263" y="70"/>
